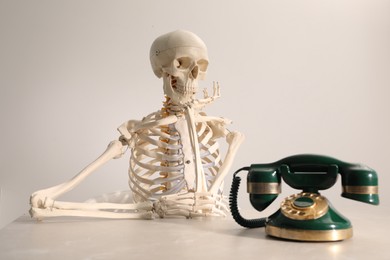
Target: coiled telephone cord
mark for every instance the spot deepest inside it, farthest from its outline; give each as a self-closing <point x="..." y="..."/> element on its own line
<point x="248" y="223"/>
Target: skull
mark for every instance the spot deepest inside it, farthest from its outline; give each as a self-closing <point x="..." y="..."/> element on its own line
<point x="180" y="57"/>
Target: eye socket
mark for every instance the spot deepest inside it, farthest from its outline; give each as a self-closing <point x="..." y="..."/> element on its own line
<point x="203" y="64"/>
<point x="182" y="63"/>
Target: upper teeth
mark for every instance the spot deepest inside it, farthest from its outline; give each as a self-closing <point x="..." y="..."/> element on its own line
<point x="180" y="89"/>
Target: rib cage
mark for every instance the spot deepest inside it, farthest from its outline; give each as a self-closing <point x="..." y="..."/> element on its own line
<point x="157" y="160"/>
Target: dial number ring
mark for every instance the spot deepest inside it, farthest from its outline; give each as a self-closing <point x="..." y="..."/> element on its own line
<point x="304" y="206"/>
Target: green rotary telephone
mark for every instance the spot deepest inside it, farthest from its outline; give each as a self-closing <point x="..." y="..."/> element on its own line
<point x="306" y="216"/>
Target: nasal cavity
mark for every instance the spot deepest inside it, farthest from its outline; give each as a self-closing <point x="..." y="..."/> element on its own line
<point x="195" y="72"/>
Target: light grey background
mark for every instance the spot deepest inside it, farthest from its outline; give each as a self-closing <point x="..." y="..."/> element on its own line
<point x="296" y="77"/>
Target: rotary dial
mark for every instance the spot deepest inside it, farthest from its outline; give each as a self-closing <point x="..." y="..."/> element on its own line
<point x="304" y="206"/>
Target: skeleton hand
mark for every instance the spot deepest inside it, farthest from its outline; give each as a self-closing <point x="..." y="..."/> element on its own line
<point x="216" y="92"/>
<point x="192" y="204"/>
<point x="201" y="103"/>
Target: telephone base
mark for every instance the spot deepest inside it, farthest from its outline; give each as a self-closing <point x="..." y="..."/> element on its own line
<point x="308" y="217"/>
<point x="309" y="235"/>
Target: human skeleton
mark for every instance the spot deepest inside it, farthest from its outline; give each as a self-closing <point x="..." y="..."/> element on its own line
<point x="176" y="167"/>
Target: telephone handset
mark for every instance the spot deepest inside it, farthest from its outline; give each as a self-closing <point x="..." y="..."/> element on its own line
<point x="306" y="216"/>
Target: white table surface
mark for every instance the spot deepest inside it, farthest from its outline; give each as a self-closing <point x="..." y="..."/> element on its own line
<point x="78" y="238"/>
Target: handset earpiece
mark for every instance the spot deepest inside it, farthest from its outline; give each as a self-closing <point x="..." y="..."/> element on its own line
<point x="360" y="183"/>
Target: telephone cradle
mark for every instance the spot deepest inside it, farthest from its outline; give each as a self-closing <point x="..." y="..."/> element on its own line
<point x="306" y="216"/>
